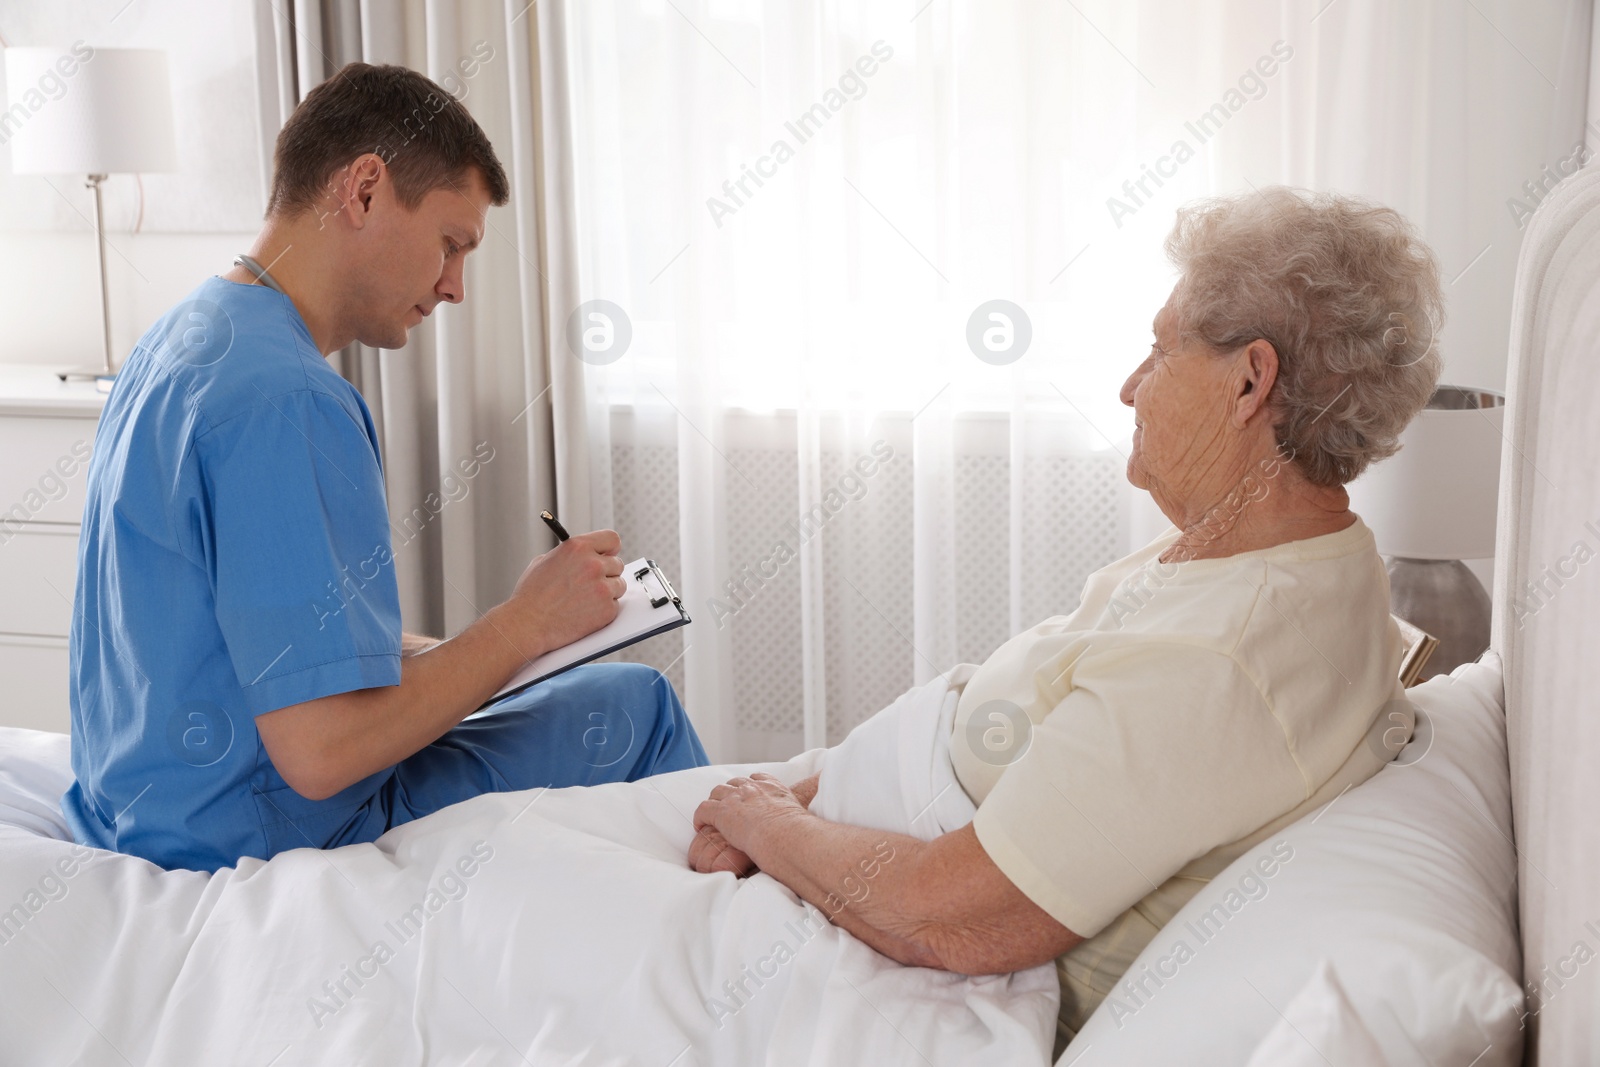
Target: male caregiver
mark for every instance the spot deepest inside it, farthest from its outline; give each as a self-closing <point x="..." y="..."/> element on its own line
<point x="240" y="684"/>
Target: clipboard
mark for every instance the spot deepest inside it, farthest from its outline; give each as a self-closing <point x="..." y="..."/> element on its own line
<point x="649" y="607"/>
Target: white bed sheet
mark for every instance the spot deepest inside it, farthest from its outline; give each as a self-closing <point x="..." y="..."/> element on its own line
<point x="35" y="769"/>
<point x="557" y="926"/>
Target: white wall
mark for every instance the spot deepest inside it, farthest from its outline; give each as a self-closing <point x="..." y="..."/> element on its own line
<point x="194" y="220"/>
<point x="51" y="288"/>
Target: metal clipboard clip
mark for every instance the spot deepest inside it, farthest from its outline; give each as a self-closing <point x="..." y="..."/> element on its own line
<point x="655" y="602"/>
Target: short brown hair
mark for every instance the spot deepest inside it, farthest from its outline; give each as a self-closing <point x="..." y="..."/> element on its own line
<point x="422" y="133"/>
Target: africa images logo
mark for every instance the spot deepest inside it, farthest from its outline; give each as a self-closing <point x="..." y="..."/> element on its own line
<point x="200" y="733"/>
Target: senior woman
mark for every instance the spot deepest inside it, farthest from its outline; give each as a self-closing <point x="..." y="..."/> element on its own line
<point x="1209" y="689"/>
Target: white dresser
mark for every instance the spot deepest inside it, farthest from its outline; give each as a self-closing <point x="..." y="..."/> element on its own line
<point x="46" y="434"/>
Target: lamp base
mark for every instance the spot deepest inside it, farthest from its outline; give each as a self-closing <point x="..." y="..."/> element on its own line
<point x="80" y="373"/>
<point x="1443" y="597"/>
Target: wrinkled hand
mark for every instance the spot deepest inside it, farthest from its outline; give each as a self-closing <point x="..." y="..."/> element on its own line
<point x="729" y="822"/>
<point x="710" y="852"/>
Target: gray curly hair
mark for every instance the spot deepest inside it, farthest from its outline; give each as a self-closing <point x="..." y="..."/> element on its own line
<point x="1346" y="292"/>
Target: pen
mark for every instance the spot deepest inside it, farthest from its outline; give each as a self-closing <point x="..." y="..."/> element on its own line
<point x="555" y="525"/>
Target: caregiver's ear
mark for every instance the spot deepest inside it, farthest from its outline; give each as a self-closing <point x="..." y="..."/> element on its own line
<point x="356" y="182"/>
<point x="1256" y="371"/>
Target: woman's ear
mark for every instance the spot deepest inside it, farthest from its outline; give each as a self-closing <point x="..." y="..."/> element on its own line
<point x="1258" y="369"/>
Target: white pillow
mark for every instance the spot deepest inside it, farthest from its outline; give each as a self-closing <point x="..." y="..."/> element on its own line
<point x="1406" y="884"/>
<point x="35" y="769"/>
<point x="1320" y="1027"/>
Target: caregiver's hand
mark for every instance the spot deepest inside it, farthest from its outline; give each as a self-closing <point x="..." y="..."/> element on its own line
<point x="730" y="823"/>
<point x="569" y="592"/>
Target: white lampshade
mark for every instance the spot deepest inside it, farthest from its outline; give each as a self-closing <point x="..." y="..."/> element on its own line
<point x="1436" y="498"/>
<point x="111" y="115"/>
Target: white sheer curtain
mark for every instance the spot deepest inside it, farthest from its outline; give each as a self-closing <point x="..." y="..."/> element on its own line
<point x="798" y="426"/>
<point x="798" y="292"/>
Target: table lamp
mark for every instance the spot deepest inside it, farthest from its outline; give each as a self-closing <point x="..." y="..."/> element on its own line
<point x="111" y="115"/>
<point x="1432" y="505"/>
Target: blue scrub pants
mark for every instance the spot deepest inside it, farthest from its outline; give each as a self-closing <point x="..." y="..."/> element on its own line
<point x="612" y="722"/>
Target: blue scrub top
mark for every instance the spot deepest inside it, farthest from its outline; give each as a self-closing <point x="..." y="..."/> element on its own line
<point x="235" y="559"/>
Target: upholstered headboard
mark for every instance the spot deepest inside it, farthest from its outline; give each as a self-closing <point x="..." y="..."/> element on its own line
<point x="1547" y="614"/>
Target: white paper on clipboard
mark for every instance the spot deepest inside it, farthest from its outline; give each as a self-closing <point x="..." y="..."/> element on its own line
<point x="649" y="607"/>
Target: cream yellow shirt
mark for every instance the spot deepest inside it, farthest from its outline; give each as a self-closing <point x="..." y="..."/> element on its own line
<point x="1123" y="755"/>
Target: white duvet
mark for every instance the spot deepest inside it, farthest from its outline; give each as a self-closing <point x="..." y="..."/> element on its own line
<point x="542" y="927"/>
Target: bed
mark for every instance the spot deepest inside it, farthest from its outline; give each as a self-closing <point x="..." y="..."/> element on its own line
<point x="543" y="926"/>
<point x="1442" y="912"/>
